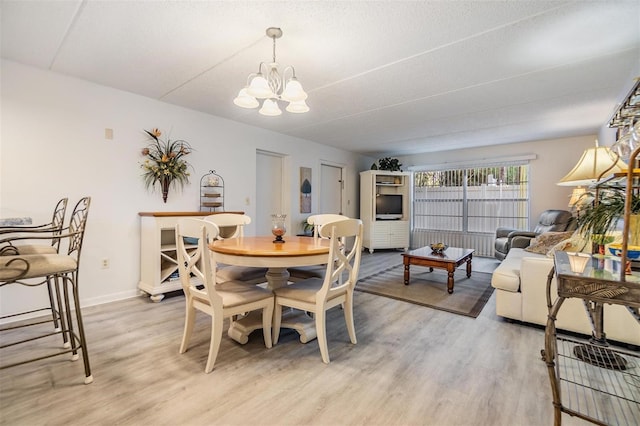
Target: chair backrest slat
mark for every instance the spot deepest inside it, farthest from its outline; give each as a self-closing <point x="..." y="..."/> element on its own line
<point x="197" y="262"/>
<point x="57" y="221"/>
<point x="77" y="225"/>
<point x="230" y="225"/>
<point x="317" y="220"/>
<point x="341" y="261"/>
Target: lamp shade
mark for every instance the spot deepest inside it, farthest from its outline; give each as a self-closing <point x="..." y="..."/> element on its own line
<point x="245" y="100"/>
<point x="293" y="91"/>
<point x="259" y="88"/>
<point x="576" y="195"/>
<point x="270" y="108"/>
<point x="593" y="163"/>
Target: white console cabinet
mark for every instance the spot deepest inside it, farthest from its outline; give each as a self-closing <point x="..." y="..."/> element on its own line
<point x="384" y="209"/>
<point x="158" y="256"/>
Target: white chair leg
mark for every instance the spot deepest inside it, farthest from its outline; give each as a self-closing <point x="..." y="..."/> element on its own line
<point x="321" y="330"/>
<point x="348" y="319"/>
<point x="277" y="320"/>
<point x="189" y="320"/>
<point x="214" y="344"/>
<point x="267" y="318"/>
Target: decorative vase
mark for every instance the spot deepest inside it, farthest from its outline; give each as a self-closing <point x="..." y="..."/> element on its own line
<point x="278" y="228"/>
<point x="166" y="181"/>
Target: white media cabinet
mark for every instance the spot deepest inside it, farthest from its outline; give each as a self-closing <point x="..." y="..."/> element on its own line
<point x="380" y="231"/>
<point x="158" y="256"/>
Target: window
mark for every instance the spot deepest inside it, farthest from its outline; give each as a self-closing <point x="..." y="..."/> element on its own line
<point x="470" y="200"/>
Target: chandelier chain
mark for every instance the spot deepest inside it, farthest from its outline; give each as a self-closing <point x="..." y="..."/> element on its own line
<point x="274" y="49"/>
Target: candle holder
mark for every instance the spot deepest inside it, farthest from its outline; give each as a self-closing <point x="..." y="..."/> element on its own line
<point x="277" y="227"/>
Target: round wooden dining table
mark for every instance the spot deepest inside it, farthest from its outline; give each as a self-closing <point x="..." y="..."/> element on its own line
<point x="263" y="252"/>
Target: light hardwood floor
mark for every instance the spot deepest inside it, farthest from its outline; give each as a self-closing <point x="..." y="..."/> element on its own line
<point x="412" y="366"/>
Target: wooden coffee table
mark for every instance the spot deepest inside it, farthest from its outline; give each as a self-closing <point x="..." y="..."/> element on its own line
<point x="449" y="260"/>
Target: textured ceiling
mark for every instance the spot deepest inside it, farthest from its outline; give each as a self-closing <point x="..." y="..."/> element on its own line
<point x="384" y="78"/>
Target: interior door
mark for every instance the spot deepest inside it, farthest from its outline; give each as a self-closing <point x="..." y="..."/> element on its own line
<point x="269" y="186"/>
<point x="331" y="189"/>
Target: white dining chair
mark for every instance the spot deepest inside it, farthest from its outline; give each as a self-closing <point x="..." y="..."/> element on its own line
<point x="232" y="226"/>
<point x="224" y="300"/>
<point x="316" y="220"/>
<point x="317" y="295"/>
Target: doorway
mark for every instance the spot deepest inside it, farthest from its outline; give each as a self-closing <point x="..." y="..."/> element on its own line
<point x="272" y="194"/>
<point x="331" y="188"/>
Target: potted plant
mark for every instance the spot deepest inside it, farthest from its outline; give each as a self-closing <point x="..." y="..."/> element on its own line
<point x="390" y="164"/>
<point x="598" y="220"/>
<point x="307" y="228"/>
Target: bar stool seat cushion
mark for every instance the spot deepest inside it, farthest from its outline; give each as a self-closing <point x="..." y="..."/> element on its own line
<point x="39" y="265"/>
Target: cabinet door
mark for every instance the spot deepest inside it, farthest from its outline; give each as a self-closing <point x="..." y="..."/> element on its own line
<point x="399" y="233"/>
<point x="380" y="235"/>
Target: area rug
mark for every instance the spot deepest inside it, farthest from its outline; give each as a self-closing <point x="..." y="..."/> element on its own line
<point x="430" y="289"/>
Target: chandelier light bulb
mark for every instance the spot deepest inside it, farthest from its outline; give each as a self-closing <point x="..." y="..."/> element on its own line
<point x="269" y="84"/>
<point x="298" y="107"/>
<point x="270" y="108"/>
<point x="244" y="100"/>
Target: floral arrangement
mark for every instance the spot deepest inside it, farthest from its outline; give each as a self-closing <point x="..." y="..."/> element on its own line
<point x="164" y="162"/>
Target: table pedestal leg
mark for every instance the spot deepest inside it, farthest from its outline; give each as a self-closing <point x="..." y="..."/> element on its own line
<point x="305" y="326"/>
<point x="469" y="268"/>
<point x="406" y="273"/>
<point x="277" y="277"/>
<point x="300" y="322"/>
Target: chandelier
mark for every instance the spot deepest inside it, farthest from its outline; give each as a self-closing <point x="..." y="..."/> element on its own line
<point x="272" y="86"/>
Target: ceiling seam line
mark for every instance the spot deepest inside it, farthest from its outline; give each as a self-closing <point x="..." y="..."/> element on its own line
<point x="228" y="58"/>
<point x="457" y="132"/>
<point x="435" y="95"/>
<point x="435" y="49"/>
<point x="72" y="24"/>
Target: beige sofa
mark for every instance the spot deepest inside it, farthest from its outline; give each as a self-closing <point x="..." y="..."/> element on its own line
<point x="521" y="284"/>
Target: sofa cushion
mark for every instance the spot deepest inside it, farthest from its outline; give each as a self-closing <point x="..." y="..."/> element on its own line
<point x="575" y="243"/>
<point x="507" y="275"/>
<point x="545" y="242"/>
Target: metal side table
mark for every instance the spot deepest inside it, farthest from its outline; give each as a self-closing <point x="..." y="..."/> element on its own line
<point x="589" y="379"/>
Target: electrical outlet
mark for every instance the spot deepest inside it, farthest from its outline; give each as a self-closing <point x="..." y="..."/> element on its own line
<point x="105" y="263"/>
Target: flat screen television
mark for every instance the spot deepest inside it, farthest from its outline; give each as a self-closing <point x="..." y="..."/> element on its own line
<point x="389" y="206"/>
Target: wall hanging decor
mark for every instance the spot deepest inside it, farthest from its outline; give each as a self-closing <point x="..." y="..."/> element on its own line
<point x="164" y="162"/>
<point x="305" y="189"/>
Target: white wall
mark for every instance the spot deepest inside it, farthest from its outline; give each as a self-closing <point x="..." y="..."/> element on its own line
<point x="52" y="144"/>
<point x="555" y="158"/>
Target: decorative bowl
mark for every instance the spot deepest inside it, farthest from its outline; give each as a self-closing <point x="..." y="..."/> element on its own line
<point x="439" y="248"/>
<point x="633" y="252"/>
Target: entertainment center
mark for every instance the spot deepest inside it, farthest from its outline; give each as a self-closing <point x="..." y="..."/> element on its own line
<point x="384" y="209"/>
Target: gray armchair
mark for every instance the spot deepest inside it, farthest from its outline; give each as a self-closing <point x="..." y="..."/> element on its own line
<point x="550" y="221"/>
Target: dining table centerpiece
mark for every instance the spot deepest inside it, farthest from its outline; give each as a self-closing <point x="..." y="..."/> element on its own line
<point x="164" y="162"/>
